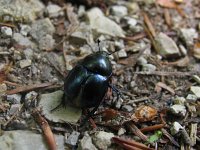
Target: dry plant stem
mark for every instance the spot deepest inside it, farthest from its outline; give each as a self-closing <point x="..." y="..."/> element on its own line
<point x="152" y="128"/>
<point x="134" y="38"/>
<point x="130" y="144"/>
<point x="167" y="17"/>
<point x="149" y="24"/>
<point x="136" y="131"/>
<point x="172" y="140"/>
<point x="162" y="73"/>
<point x="28" y="88"/>
<point x="193" y="133"/>
<point x="49" y="137"/>
<point x="8" y="25"/>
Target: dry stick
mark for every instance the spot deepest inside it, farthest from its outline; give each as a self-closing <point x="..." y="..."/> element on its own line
<point x="152" y="128"/>
<point x="161" y="73"/>
<point x="136" y="131"/>
<point x="167" y="17"/>
<point x="11" y="118"/>
<point x="46" y="129"/>
<point x="149" y="24"/>
<point x="131" y="143"/>
<point x="28" y="88"/>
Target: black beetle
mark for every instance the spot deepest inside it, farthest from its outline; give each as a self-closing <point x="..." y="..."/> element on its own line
<point x="87" y="83"/>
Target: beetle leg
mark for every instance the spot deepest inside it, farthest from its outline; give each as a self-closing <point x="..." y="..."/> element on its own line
<point x="115" y="90"/>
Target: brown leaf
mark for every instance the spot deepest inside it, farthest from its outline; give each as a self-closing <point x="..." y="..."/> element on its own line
<point x="144" y="113"/>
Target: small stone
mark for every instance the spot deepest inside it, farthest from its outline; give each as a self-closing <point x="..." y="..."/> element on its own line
<point x="46" y="43"/>
<point x="30" y="99"/>
<point x="73" y="138"/>
<point x="14" y="98"/>
<point x="179" y="100"/>
<point x="183" y="50"/>
<point x="178" y="110"/>
<point x="21" y="40"/>
<point x="166" y="46"/>
<point x="86" y="143"/>
<point x="81" y="10"/>
<point x="102" y="139"/>
<point x="81" y="35"/>
<point x="28" y="53"/>
<point x="41" y="28"/>
<point x="118" y="10"/>
<point x="195" y="90"/>
<point x="175" y="128"/>
<point x="191" y="98"/>
<point x="3" y="88"/>
<point x="121" y="131"/>
<point x="196" y="78"/>
<point x="54" y="10"/>
<point x="133" y="84"/>
<point x="6" y="31"/>
<point x="133" y="7"/>
<point x="122" y="53"/>
<point x="25" y="63"/>
<point x="25" y="29"/>
<point x="141" y="61"/>
<point x="118" y="103"/>
<point x="188" y="35"/>
<point x="148" y="67"/>
<point x="129" y="21"/>
<point x="102" y="24"/>
<point x="14" y="108"/>
<point x="127" y="108"/>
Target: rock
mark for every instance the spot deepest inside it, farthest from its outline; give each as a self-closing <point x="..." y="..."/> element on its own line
<point x="196" y="78"/>
<point x="14" y="98"/>
<point x="118" y="10"/>
<point x="179" y="100"/>
<point x="81" y="11"/>
<point x="25" y="63"/>
<point x="196" y="51"/>
<point x="148" y="67"/>
<point x="54" y="10"/>
<point x="6" y="31"/>
<point x="50" y="101"/>
<point x="175" y="128"/>
<point x="127" y="108"/>
<point x="68" y="61"/>
<point x="85" y="50"/>
<point x="129" y="22"/>
<point x="41" y="28"/>
<point x="191" y="98"/>
<point x="122" y="53"/>
<point x="141" y="61"/>
<point x="73" y="138"/>
<point x="20" y="10"/>
<point x="133" y="7"/>
<point x="81" y="35"/>
<point x="188" y="35"/>
<point x="3" y="89"/>
<point x="102" y="139"/>
<point x="27" y="140"/>
<point x="86" y="143"/>
<point x="183" y="50"/>
<point x="178" y="110"/>
<point x="166" y="46"/>
<point x="13" y="109"/>
<point x="28" y="53"/>
<point x="121" y="131"/>
<point x="21" y="40"/>
<point x="25" y="29"/>
<point x="118" y="103"/>
<point x="102" y="24"/>
<point x="46" y="43"/>
<point x="195" y="90"/>
<point x="30" y="99"/>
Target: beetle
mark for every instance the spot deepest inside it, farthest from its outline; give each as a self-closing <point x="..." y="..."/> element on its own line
<point x="87" y="83"/>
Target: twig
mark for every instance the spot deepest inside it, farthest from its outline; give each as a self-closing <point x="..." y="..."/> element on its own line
<point x="11" y="118"/>
<point x="172" y="140"/>
<point x="136" y="131"/>
<point x="28" y="88"/>
<point x="149" y="24"/>
<point x="162" y="73"/>
<point x="130" y="144"/>
<point x="193" y="133"/>
<point x="45" y="128"/>
<point x="152" y="128"/>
